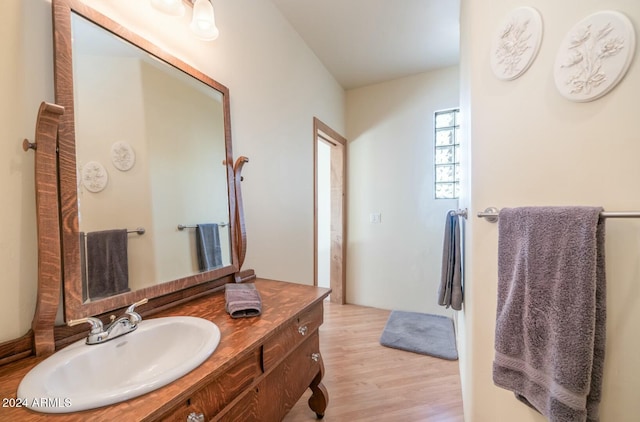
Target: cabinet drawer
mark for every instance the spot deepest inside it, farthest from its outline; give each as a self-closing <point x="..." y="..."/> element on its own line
<point x="281" y="389"/>
<point x="305" y="324"/>
<point x="302" y="366"/>
<point x="244" y="409"/>
<point x="213" y="397"/>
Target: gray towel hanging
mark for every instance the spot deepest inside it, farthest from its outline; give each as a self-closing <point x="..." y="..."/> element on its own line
<point x="551" y="309"/>
<point x="450" y="290"/>
<point x="107" y="263"/>
<point x="208" y="247"/>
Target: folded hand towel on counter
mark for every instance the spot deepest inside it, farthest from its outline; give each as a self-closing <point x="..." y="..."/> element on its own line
<point x="208" y="247"/>
<point x="107" y="263"/>
<point x="550" y="326"/>
<point x="450" y="290"/>
<point x="242" y="300"/>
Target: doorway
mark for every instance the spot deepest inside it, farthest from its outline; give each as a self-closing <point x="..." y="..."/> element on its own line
<point x="329" y="261"/>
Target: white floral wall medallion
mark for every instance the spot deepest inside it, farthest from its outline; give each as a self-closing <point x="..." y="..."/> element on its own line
<point x="516" y="43"/>
<point x="94" y="176"/>
<point x="122" y="156"/>
<point x="594" y="56"/>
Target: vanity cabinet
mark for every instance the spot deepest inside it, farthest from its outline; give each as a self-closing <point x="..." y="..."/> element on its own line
<point x="267" y="383"/>
<point x="261" y="368"/>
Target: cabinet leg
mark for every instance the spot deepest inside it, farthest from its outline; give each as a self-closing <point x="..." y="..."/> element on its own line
<point x="320" y="397"/>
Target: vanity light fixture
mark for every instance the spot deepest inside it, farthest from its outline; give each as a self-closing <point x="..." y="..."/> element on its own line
<point x="203" y="23"/>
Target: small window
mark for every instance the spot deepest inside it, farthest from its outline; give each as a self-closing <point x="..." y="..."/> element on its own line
<point x="447" y="154"/>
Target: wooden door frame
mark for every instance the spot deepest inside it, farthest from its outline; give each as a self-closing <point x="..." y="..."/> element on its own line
<point x="323" y="131"/>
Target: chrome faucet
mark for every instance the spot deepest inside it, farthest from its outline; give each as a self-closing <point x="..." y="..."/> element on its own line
<point x="118" y="327"/>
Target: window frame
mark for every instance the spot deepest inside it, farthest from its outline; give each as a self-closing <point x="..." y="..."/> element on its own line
<point x="454" y="146"/>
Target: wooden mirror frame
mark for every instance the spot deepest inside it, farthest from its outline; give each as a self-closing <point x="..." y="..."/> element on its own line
<point x="74" y="307"/>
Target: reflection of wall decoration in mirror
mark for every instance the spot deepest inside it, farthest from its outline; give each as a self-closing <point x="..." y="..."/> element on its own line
<point x="122" y="156"/>
<point x="516" y="43"/>
<point x="594" y="56"/>
<point x="94" y="177"/>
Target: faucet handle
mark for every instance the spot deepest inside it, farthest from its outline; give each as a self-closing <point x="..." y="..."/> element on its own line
<point x="96" y="324"/>
<point x="134" y="317"/>
<point x="138" y="303"/>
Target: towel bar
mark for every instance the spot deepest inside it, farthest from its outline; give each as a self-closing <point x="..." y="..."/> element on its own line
<point x="462" y="213"/>
<point x="491" y="214"/>
<point x="139" y="230"/>
<point x="182" y="226"/>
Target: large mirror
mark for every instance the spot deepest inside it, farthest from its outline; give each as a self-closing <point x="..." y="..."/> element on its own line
<point x="146" y="181"/>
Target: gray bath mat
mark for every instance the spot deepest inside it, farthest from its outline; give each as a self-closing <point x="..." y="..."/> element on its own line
<point x="426" y="334"/>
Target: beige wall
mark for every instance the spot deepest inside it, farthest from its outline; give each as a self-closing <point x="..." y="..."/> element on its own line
<point x="531" y="146"/>
<point x="396" y="264"/>
<point x="26" y="79"/>
<point x="277" y="85"/>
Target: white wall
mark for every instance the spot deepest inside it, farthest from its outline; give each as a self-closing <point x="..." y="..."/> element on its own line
<point x="277" y="86"/>
<point x="324" y="213"/>
<point x="396" y="264"/>
<point x="530" y="146"/>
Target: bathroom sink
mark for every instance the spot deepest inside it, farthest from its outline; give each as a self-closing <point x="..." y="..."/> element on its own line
<point x="82" y="376"/>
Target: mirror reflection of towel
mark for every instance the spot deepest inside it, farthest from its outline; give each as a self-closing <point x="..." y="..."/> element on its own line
<point x="208" y="247"/>
<point x="107" y="265"/>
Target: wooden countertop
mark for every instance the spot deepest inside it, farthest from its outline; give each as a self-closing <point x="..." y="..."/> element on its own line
<point x="281" y="301"/>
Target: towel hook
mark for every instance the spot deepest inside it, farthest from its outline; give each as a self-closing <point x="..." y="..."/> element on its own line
<point x="27" y="145"/>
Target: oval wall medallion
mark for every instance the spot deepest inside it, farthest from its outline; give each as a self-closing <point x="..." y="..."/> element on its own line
<point x="594" y="56"/>
<point x="94" y="176"/>
<point x="516" y="43"/>
<point x="122" y="156"/>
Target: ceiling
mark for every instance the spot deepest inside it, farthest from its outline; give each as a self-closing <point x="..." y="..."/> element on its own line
<point x="362" y="42"/>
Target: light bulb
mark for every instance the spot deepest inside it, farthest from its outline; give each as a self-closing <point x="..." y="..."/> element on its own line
<point x="203" y="23"/>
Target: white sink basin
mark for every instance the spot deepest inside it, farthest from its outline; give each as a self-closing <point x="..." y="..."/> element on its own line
<point x="82" y="376"/>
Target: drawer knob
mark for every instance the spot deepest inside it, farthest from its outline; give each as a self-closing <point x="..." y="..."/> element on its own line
<point x="302" y="330"/>
<point x="195" y="417"/>
<point x="315" y="357"/>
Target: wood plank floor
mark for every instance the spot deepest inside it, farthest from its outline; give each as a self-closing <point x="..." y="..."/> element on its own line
<point x="369" y="382"/>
